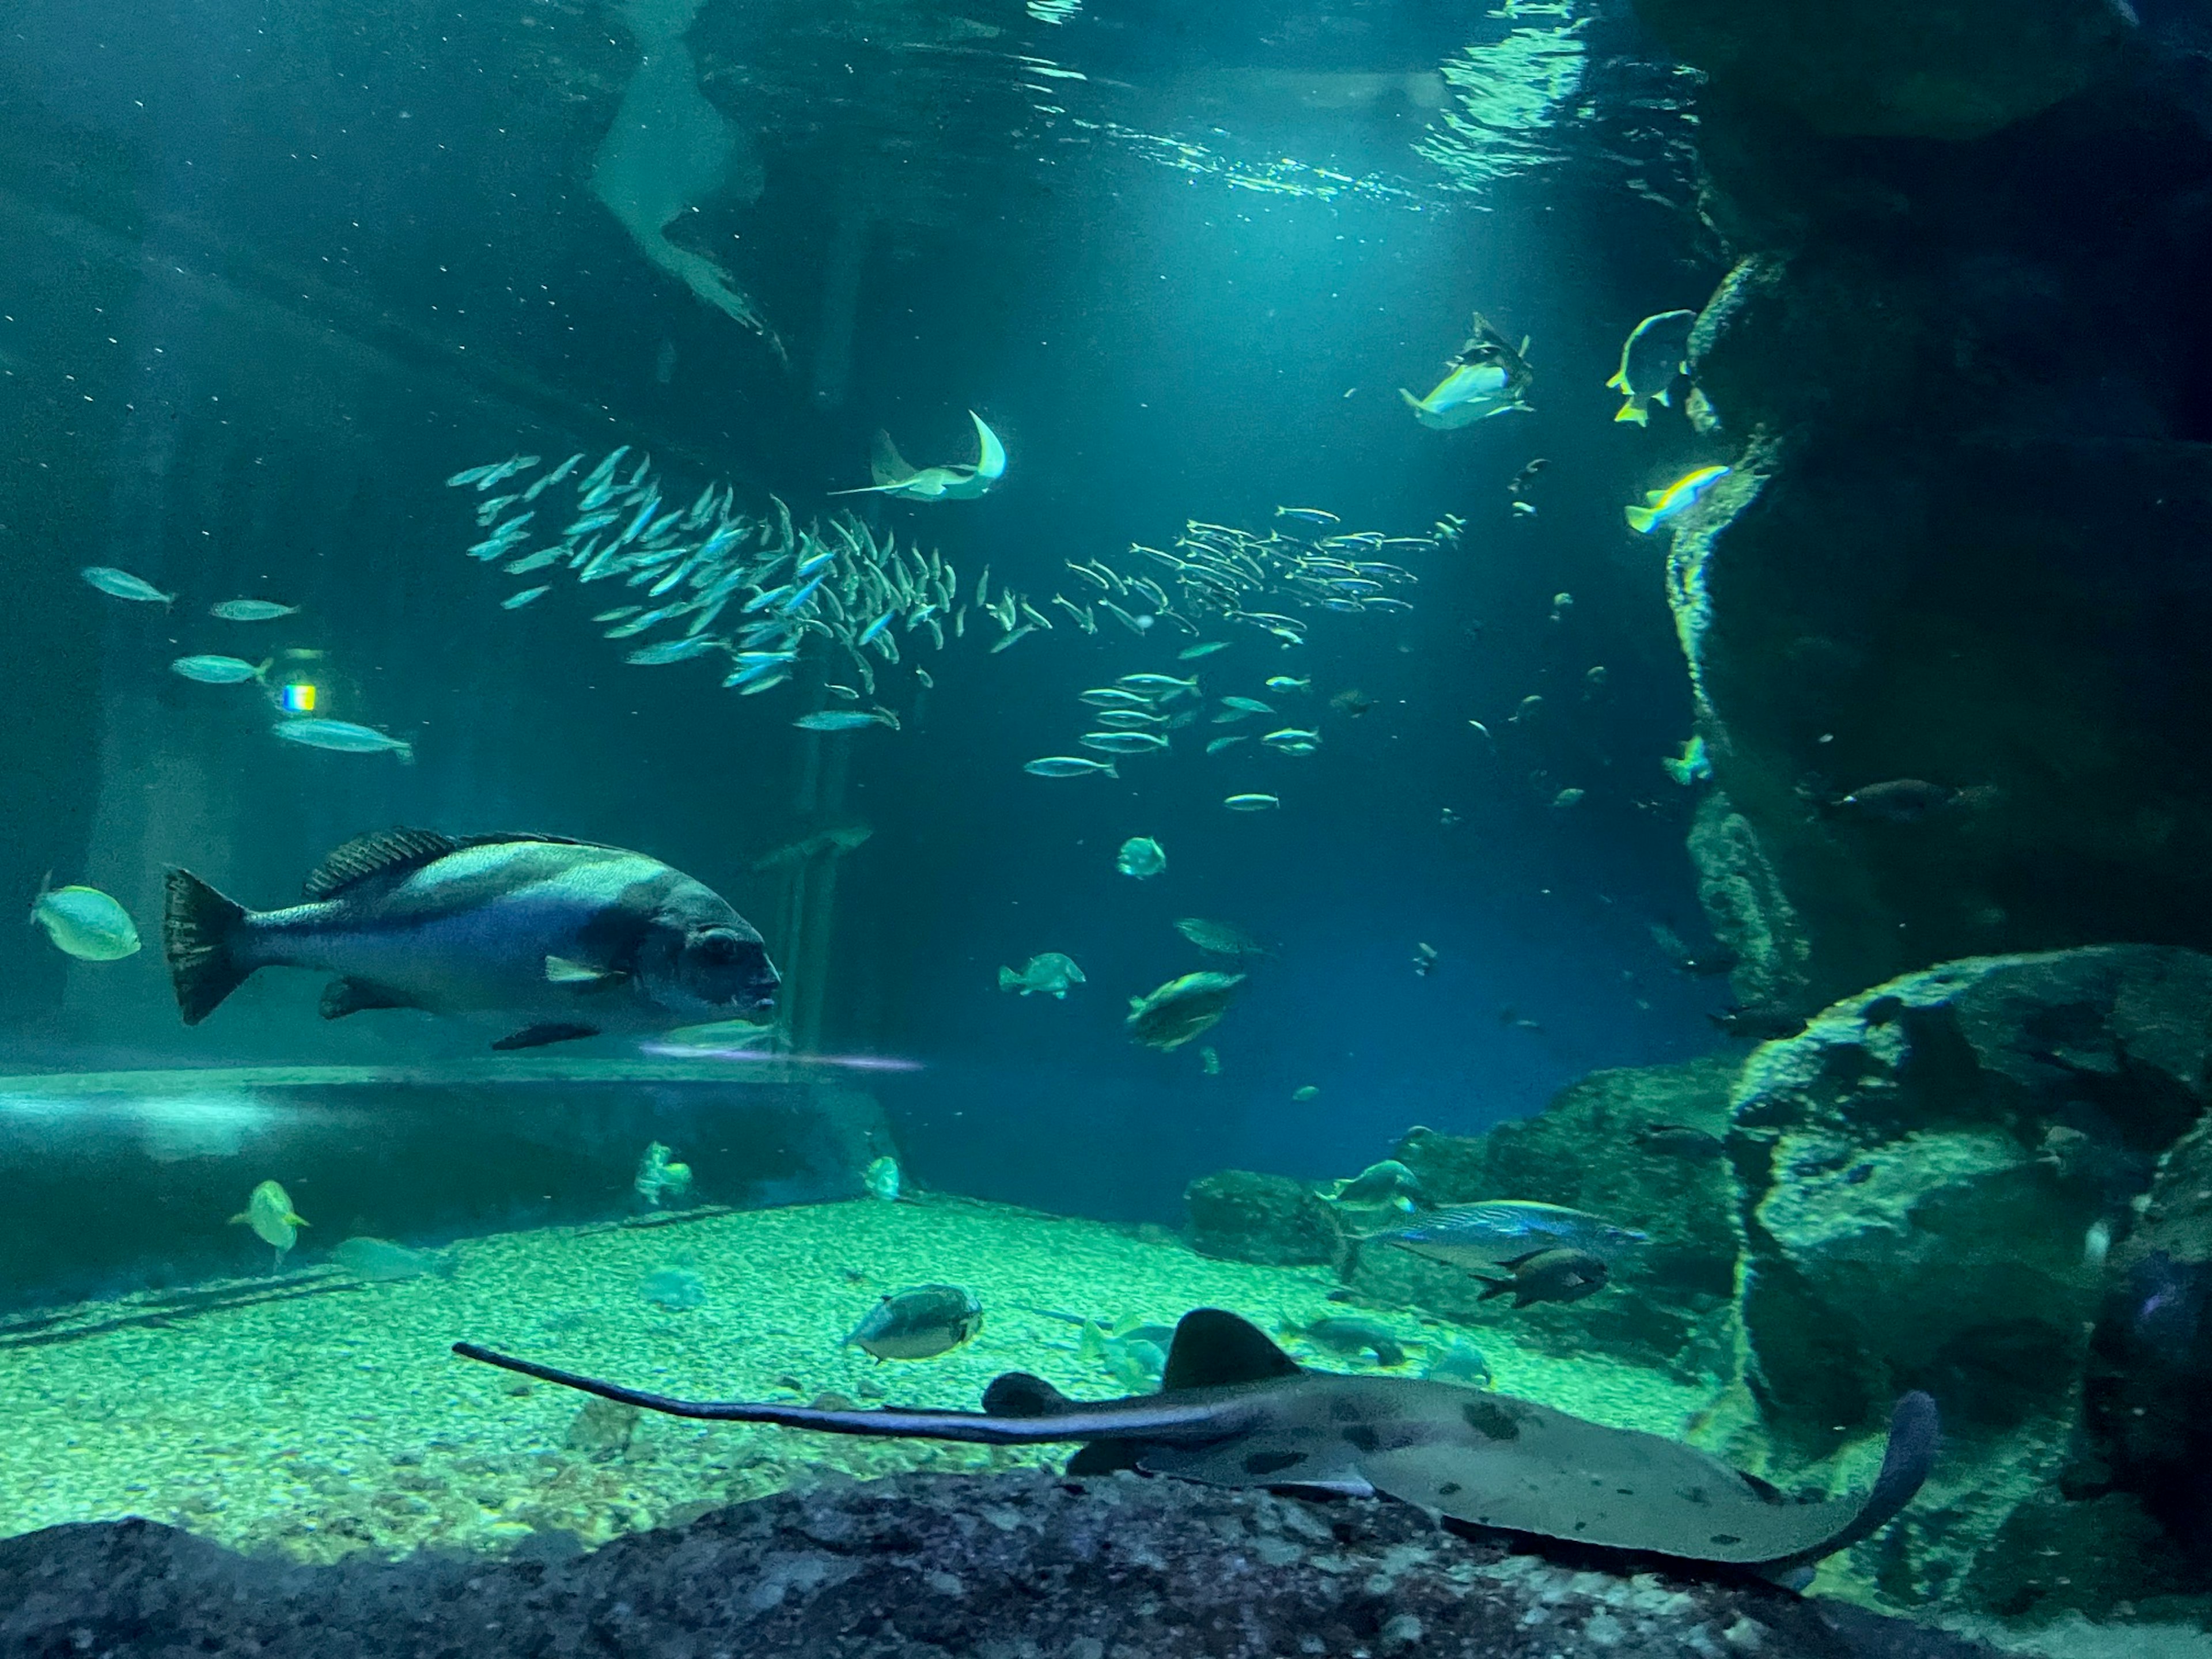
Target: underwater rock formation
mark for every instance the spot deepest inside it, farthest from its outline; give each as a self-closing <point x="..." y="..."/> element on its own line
<point x="1899" y="68"/>
<point x="1915" y="574"/>
<point x="1930" y="1179"/>
<point x="1239" y="1215"/>
<point x="2146" y="1427"/>
<point x="920" y="1565"/>
<point x="1921" y="1171"/>
<point x="1641" y="1146"/>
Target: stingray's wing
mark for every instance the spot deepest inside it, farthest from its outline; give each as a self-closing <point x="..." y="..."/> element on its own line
<point x="1141" y="1418"/>
<point x="885" y="465"/>
<point x="1526" y="1468"/>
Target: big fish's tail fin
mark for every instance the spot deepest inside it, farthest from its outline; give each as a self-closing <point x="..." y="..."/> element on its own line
<point x="1008" y="979"/>
<point x="1640" y="518"/>
<point x="1632" y="410"/>
<point x="197" y="935"/>
<point x="1411" y="402"/>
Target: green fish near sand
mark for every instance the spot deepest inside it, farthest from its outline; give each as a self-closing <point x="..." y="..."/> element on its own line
<point x="269" y="1213"/>
<point x="380" y="1261"/>
<point x="918" y="1324"/>
<point x="1549" y="1276"/>
<point x="85" y="922"/>
<point x="1651" y="360"/>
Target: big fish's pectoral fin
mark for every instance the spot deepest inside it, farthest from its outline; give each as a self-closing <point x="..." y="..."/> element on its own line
<point x="562" y="970"/>
<point x="536" y="1036"/>
<point x="342" y="996"/>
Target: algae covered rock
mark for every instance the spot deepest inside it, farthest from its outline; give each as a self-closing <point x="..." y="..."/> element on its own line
<point x="1241" y="1215"/>
<point x="1639" y="1146"/>
<point x="1920" y="1173"/>
<point x="2145" y="1395"/>
<point x="1899" y="68"/>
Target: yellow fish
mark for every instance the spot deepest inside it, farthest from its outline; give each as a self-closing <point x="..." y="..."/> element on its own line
<point x="269" y="1213"/>
<point x="85" y="922"/>
<point x="1653" y="355"/>
<point x="1664" y="504"/>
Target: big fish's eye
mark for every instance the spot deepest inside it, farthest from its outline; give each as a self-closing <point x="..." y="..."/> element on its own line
<point x="720" y="947"/>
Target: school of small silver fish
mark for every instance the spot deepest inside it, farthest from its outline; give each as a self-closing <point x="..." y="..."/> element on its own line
<point x="758" y="592"/>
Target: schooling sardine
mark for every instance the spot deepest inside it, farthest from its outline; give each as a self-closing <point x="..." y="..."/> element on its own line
<point x="570" y="937"/>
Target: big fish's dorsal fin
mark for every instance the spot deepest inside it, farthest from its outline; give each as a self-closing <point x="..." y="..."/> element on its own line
<point x="372" y="855"/>
<point x="402" y="848"/>
<point x="1214" y="1349"/>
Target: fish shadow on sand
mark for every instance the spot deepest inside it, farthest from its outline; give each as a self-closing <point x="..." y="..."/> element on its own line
<point x="1235" y="1410"/>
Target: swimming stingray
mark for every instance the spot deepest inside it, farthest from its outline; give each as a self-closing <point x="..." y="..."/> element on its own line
<point x="1487" y="376"/>
<point x="1235" y="1410"/>
<point x="893" y="476"/>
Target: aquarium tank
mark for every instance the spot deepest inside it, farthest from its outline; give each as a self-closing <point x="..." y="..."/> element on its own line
<point x="1330" y="828"/>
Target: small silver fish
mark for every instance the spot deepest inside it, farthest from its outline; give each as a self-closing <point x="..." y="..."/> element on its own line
<point x="1123" y="743"/>
<point x="343" y="737"/>
<point x="122" y="585"/>
<point x="516" y="601"/>
<point x="668" y="651"/>
<point x="252" y="610"/>
<point x="1069" y="766"/>
<point x="1252" y="803"/>
<point x="219" y="671"/>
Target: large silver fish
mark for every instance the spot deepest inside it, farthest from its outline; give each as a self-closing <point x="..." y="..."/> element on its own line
<point x="569" y="938"/>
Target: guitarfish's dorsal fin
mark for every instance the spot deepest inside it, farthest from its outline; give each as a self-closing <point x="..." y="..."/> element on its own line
<point x="1214" y="1349"/>
<point x="1017" y="1394"/>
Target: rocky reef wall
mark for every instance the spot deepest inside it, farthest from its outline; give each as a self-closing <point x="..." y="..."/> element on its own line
<point x="1965" y="367"/>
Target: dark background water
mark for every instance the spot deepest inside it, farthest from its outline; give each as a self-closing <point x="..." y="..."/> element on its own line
<point x="278" y="271"/>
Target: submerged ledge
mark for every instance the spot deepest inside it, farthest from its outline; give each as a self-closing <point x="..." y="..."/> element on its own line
<point x="1019" y="1564"/>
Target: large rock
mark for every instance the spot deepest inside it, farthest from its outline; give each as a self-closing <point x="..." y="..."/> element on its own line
<point x="1920" y="1172"/>
<point x="1899" y="68"/>
<point x="1241" y="1215"/>
<point x="2147" y="1399"/>
<point x="1930" y="1178"/>
<point x="1019" y="1566"/>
